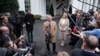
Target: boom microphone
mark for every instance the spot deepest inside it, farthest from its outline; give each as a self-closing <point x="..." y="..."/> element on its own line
<point x="60" y="5"/>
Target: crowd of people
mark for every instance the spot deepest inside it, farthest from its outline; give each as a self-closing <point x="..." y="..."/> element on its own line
<point x="83" y="29"/>
<point x="12" y="40"/>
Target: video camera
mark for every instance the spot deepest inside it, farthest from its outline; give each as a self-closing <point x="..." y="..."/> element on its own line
<point x="86" y="16"/>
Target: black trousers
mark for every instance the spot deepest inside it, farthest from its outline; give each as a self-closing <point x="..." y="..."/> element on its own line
<point x="48" y="46"/>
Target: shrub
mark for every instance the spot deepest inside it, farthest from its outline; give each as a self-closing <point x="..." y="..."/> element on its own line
<point x="37" y="17"/>
<point x="22" y="13"/>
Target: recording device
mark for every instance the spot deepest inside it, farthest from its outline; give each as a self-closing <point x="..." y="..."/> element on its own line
<point x="60" y="5"/>
<point x="86" y="16"/>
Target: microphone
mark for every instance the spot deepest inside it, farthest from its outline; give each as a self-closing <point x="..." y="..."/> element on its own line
<point x="60" y="5"/>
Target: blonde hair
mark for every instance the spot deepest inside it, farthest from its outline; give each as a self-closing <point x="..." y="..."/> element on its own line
<point x="65" y="15"/>
<point x="63" y="54"/>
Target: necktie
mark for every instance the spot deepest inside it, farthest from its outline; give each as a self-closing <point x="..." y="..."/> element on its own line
<point x="49" y="25"/>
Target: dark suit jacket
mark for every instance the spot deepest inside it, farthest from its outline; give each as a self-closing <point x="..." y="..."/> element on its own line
<point x="29" y="21"/>
<point x="71" y="22"/>
<point x="3" y="51"/>
<point x="79" y="52"/>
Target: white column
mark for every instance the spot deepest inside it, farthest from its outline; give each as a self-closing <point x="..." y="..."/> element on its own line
<point x="21" y="5"/>
<point x="38" y="7"/>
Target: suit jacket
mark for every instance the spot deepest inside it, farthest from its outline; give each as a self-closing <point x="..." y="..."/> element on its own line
<point x="74" y="19"/>
<point x="79" y="52"/>
<point x="18" y="22"/>
<point x="29" y="21"/>
<point x="3" y="51"/>
<point x="53" y="30"/>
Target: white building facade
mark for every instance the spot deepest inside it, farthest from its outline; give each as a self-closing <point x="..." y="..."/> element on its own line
<point x="40" y="7"/>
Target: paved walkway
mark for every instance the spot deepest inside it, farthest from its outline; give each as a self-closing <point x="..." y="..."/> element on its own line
<point x="39" y="38"/>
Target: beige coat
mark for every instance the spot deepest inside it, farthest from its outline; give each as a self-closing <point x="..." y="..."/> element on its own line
<point x="63" y="25"/>
<point x="53" y="30"/>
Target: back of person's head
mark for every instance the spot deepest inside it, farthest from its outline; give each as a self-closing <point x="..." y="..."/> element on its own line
<point x="91" y="42"/>
<point x="63" y="54"/>
<point x="4" y="29"/>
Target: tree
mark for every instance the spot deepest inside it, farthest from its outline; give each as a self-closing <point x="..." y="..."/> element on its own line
<point x="51" y="10"/>
<point x="8" y="6"/>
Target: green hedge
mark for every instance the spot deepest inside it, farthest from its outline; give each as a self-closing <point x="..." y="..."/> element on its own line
<point x="37" y="17"/>
<point x="22" y="13"/>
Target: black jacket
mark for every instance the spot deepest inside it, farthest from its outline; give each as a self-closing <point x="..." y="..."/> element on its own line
<point x="73" y="17"/>
<point x="79" y="52"/>
<point x="29" y="21"/>
<point x="3" y="51"/>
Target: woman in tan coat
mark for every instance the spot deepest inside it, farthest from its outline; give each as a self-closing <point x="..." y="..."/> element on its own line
<point x="63" y="26"/>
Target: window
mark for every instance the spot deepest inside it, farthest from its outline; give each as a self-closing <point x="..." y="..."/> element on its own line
<point x="27" y="4"/>
<point x="47" y="6"/>
<point x="98" y="4"/>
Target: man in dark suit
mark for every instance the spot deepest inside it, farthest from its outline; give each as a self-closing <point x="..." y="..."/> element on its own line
<point x="17" y="23"/>
<point x="73" y="16"/>
<point x="90" y="43"/>
<point x="29" y="21"/>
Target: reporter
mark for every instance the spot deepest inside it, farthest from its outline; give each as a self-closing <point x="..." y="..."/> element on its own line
<point x="89" y="45"/>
